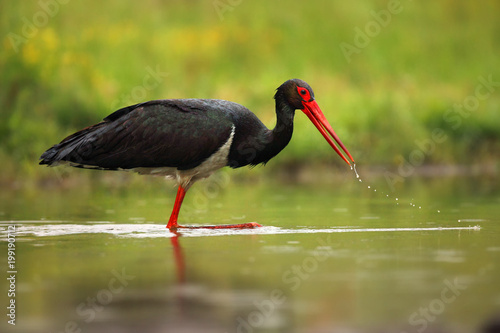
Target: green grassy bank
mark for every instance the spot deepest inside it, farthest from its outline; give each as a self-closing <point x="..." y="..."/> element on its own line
<point x="400" y="81"/>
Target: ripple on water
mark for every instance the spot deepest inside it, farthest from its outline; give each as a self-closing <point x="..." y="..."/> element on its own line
<point x="25" y="229"/>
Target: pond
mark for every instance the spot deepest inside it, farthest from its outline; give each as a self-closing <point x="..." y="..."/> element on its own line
<point x="338" y="256"/>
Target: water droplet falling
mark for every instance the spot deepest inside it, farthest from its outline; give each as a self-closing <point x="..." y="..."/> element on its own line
<point x="353" y="167"/>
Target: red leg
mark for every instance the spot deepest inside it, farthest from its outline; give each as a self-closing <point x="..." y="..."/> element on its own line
<point x="248" y="225"/>
<point x="172" y="222"/>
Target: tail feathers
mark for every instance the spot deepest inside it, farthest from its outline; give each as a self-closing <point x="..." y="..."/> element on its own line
<point x="49" y="157"/>
<point x="68" y="150"/>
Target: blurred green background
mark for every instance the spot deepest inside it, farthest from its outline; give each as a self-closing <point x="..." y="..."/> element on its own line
<point x="387" y="74"/>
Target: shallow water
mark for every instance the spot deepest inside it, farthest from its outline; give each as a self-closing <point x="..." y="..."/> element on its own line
<point x="335" y="257"/>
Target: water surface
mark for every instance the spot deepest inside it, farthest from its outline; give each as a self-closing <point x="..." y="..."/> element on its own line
<point x="330" y="258"/>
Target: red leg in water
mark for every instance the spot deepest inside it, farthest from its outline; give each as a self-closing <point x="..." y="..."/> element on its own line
<point x="248" y="225"/>
<point x="172" y="222"/>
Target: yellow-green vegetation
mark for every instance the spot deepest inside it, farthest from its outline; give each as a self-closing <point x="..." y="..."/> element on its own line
<point x="399" y="80"/>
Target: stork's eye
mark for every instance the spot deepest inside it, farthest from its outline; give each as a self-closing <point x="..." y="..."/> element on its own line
<point x="304" y="93"/>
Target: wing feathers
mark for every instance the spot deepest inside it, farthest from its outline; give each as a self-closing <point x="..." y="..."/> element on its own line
<point x="167" y="133"/>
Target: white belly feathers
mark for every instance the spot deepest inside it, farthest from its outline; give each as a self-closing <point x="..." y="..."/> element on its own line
<point x="186" y="178"/>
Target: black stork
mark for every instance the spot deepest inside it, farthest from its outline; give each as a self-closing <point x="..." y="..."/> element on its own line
<point x="188" y="139"/>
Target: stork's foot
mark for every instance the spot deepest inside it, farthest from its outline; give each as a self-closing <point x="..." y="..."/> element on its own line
<point x="249" y="225"/>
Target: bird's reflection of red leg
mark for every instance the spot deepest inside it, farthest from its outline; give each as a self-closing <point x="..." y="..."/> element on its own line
<point x="172" y="222"/>
<point x="179" y="258"/>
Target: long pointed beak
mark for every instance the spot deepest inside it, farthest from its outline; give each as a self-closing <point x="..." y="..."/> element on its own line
<point x="313" y="112"/>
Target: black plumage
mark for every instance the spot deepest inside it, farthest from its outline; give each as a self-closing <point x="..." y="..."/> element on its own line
<point x="166" y="133"/>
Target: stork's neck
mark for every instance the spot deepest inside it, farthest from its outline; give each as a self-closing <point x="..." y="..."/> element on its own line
<point x="277" y="138"/>
<point x="282" y="132"/>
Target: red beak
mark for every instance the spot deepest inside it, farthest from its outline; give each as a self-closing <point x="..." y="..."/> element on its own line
<point x="312" y="110"/>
